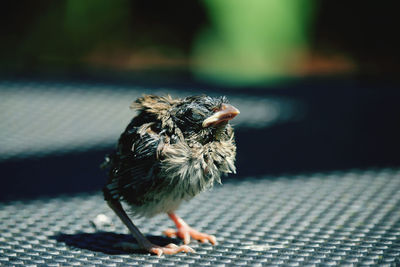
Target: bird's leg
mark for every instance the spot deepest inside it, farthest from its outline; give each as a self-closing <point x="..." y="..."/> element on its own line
<point x="140" y="238"/>
<point x="186" y="232"/>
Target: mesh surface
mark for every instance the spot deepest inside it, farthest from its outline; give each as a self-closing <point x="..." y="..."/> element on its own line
<point x="319" y="219"/>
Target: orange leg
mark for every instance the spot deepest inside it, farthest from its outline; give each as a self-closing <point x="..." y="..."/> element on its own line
<point x="185" y="232"/>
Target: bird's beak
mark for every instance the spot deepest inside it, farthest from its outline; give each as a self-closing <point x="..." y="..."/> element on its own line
<point x="226" y="113"/>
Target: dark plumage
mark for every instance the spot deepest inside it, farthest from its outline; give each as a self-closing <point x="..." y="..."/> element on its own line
<point x="171" y="151"/>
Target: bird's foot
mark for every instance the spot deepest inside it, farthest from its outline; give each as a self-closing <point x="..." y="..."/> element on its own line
<point x="169" y="249"/>
<point x="185" y="232"/>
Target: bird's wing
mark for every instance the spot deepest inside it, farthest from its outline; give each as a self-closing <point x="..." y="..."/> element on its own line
<point x="134" y="165"/>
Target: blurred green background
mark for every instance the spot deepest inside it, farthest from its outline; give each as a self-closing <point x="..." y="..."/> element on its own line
<point x="228" y="42"/>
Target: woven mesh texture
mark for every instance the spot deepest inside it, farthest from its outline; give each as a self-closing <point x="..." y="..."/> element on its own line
<point x="318" y="219"/>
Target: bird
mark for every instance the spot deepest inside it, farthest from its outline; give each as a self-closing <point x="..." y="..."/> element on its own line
<point x="172" y="150"/>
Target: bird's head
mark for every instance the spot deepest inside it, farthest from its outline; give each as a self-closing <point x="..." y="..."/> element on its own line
<point x="203" y="113"/>
<point x="198" y="117"/>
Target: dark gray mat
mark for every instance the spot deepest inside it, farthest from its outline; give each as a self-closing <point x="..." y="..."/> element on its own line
<point x="317" y="219"/>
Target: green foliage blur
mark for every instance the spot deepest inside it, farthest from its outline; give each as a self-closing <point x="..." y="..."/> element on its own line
<point x="62" y="32"/>
<point x="252" y="41"/>
<point x="235" y="42"/>
<point x="230" y="42"/>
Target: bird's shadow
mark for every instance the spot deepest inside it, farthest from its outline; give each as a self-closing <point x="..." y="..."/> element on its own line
<point x="108" y="242"/>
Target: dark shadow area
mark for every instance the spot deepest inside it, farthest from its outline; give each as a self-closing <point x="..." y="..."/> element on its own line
<point x="345" y="125"/>
<point x="52" y="175"/>
<point x="107" y="242"/>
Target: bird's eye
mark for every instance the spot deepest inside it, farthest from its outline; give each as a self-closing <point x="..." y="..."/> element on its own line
<point x="197" y="115"/>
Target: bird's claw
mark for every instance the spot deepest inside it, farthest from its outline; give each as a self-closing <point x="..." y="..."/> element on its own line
<point x="186" y="233"/>
<point x="169" y="249"/>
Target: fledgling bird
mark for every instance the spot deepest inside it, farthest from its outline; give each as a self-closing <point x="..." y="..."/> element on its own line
<point x="171" y="151"/>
